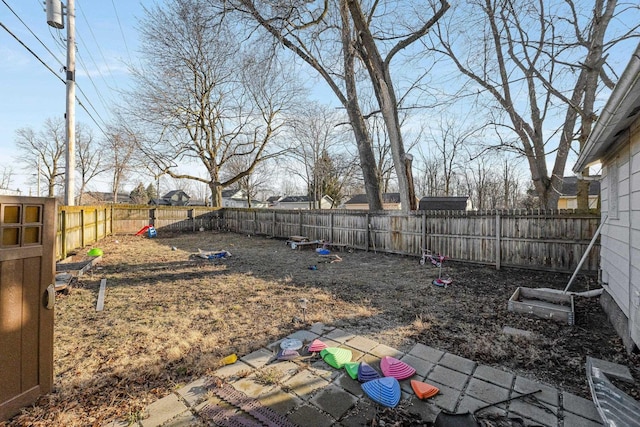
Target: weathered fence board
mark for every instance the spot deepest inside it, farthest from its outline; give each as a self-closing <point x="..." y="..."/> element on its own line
<point x="542" y="240"/>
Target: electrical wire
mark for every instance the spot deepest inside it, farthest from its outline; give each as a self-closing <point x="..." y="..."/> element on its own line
<point x="33" y="34"/>
<point x="57" y="76"/>
<point x="32" y="52"/>
<point x="124" y="39"/>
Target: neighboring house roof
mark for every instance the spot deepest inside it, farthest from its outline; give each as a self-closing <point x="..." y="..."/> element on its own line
<point x="107" y="196"/>
<point x="230" y="194"/>
<point x="296" y="199"/>
<point x="570" y="186"/>
<point x="359" y="199"/>
<point x="160" y="202"/>
<point x="618" y="114"/>
<point x="273" y="199"/>
<point x="172" y="193"/>
<point x="452" y="203"/>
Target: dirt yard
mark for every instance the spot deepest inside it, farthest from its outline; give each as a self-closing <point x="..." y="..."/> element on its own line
<point x="170" y="317"/>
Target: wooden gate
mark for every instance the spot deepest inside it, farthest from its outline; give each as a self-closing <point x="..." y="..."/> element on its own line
<point x="27" y="269"/>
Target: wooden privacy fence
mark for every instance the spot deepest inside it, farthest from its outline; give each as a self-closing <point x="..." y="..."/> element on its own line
<point x="79" y="226"/>
<point x="549" y="240"/>
<point x="554" y="240"/>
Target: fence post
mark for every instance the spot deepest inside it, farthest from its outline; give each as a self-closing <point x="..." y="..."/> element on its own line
<point x="331" y="227"/>
<point x="273" y="233"/>
<point x="424" y="231"/>
<point x="300" y="222"/>
<point x="82" y="234"/>
<point x="63" y="235"/>
<point x="152" y="217"/>
<point x="256" y="229"/>
<point x="366" y="239"/>
<point x="498" y="233"/>
<point x="97" y="218"/>
<point x="192" y="218"/>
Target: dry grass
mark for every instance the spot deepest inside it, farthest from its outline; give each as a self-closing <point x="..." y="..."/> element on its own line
<point x="170" y="318"/>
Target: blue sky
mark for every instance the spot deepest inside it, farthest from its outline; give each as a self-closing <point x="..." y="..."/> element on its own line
<point x="107" y="42"/>
<point x="106" y="39"/>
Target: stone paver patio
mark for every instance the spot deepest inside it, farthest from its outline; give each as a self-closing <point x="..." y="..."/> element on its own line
<point x="312" y="393"/>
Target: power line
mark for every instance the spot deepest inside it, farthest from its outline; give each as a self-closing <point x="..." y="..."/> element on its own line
<point x="32" y="53"/>
<point x="57" y="76"/>
<point x="124" y="39"/>
<point x="32" y="33"/>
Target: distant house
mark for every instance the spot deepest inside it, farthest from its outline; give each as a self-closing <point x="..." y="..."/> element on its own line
<point x="7" y="192"/>
<point x="303" y="202"/>
<point x="273" y="201"/>
<point x="569" y="193"/>
<point x="390" y="201"/>
<point x="234" y="199"/>
<point x="172" y="198"/>
<point x="447" y="203"/>
<point x="98" y="198"/>
<point x="615" y="143"/>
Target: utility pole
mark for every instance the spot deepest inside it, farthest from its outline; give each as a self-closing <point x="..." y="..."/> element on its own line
<point x="55" y="19"/>
<point x="70" y="182"/>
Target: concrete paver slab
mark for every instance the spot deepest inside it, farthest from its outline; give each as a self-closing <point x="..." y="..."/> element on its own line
<point x="363" y="344"/>
<point x="320" y="328"/>
<point x="186" y="419"/>
<point x="426" y="409"/>
<point x="307" y="415"/>
<point x="580" y="406"/>
<point x="360" y="415"/>
<point x="304" y="384"/>
<point x="494" y="376"/>
<point x="548" y="393"/>
<point x="471" y="404"/>
<point x="312" y="393"/>
<point x="352" y="386"/>
<point x="195" y="392"/>
<point x="486" y="392"/>
<point x="382" y="350"/>
<point x="540" y="414"/>
<point x="231" y="371"/>
<point x="280" y="401"/>
<point x="451" y="378"/>
<point x="340" y="335"/>
<point x="447" y="397"/>
<point x="258" y="358"/>
<point x="334" y="400"/>
<point x="457" y="363"/>
<point x="251" y="387"/>
<point x="427" y="353"/>
<point x="422" y="367"/>
<point x="573" y="420"/>
<point x="163" y="410"/>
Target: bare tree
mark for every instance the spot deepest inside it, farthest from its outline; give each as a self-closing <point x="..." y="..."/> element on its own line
<point x="369" y="42"/>
<point x="537" y="62"/>
<point x="446" y="142"/>
<point x="208" y="96"/>
<point x="303" y="28"/>
<point x="317" y="147"/>
<point x="258" y="181"/>
<point x="312" y="34"/>
<point x="121" y="150"/>
<point x="89" y="160"/>
<point x="45" y="150"/>
<point x="6" y="176"/>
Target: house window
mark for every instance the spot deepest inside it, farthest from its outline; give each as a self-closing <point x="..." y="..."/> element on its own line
<point x="613" y="189"/>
